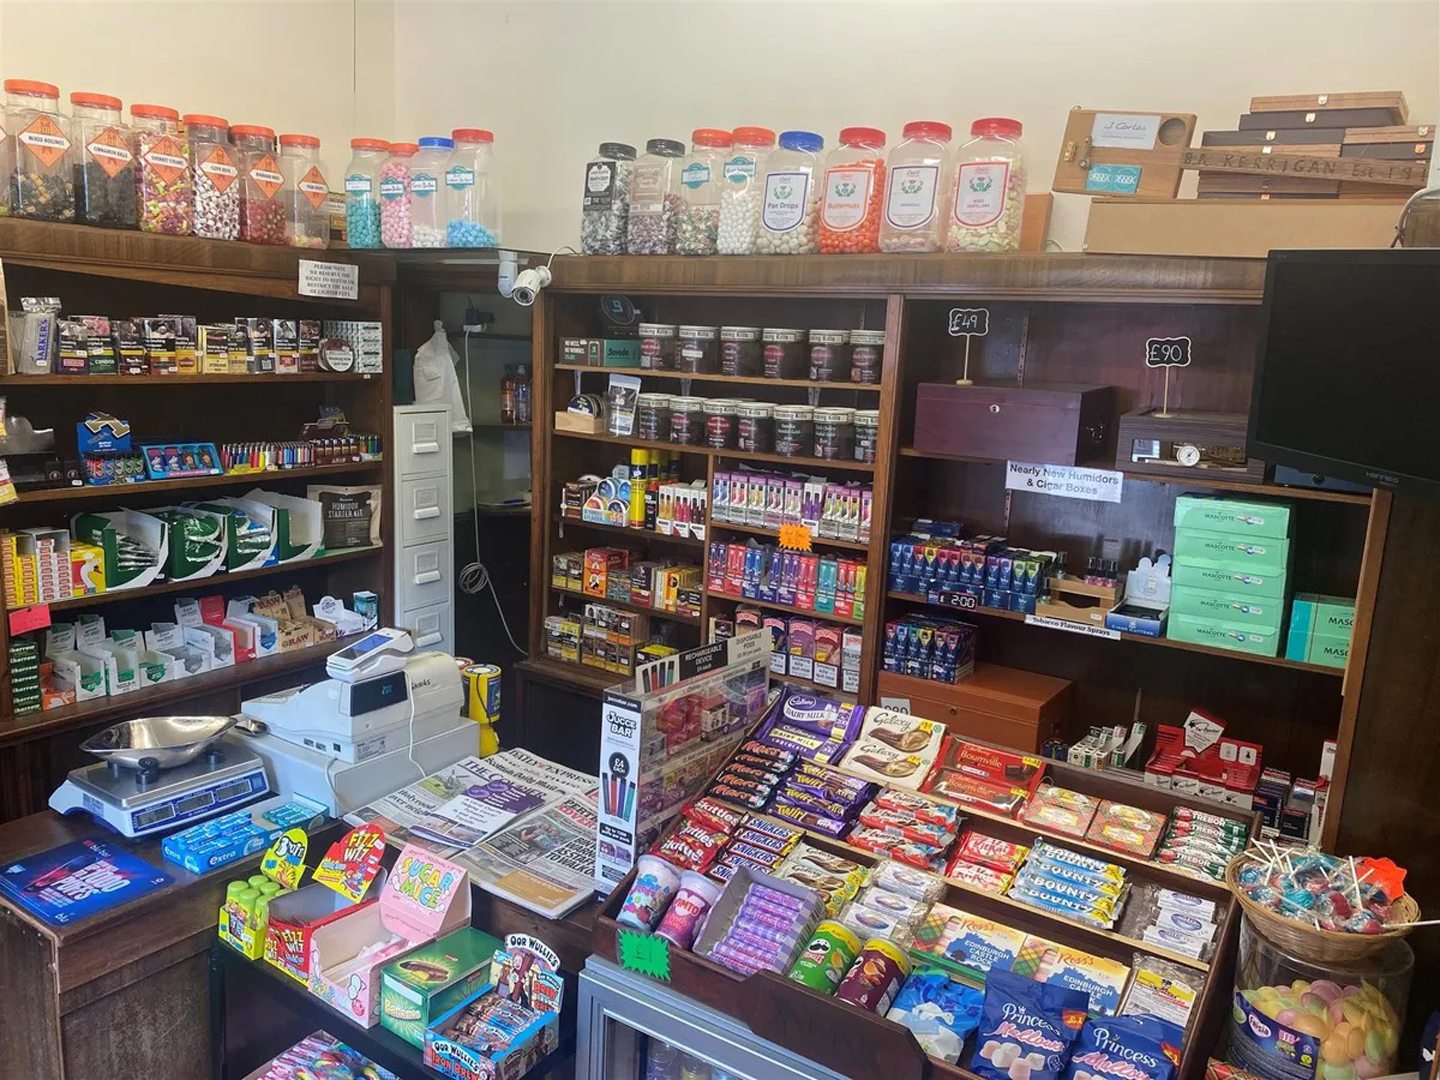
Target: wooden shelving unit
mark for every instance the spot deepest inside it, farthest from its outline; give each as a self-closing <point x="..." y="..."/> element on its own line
<point x="1053" y="319"/>
<point x="132" y="273"/>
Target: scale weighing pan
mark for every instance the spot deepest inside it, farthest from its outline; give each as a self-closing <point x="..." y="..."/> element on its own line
<point x="157" y="741"/>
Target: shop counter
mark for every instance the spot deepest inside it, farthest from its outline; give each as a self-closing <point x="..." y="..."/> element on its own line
<point x="126" y="993"/>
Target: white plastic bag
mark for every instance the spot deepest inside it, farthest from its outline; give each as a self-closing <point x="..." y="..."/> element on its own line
<point x="436" y="382"/>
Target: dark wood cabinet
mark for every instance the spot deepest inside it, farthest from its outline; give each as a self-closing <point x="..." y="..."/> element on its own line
<point x="1054" y="424"/>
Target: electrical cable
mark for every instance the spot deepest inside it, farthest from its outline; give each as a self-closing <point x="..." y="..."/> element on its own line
<point x="475" y="578"/>
<point x="410" y="749"/>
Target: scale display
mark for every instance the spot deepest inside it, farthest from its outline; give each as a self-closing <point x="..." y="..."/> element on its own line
<point x="197" y="804"/>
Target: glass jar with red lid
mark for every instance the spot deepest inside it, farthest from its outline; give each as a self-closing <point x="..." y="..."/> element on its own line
<point x="165" y="195"/>
<point x="40" y="179"/>
<point x="987" y="201"/>
<point x="214" y="175"/>
<point x="701" y="177"/>
<point x="852" y="193"/>
<point x="262" y="185"/>
<point x="307" y="192"/>
<point x="917" y="174"/>
<point x="104" y="161"/>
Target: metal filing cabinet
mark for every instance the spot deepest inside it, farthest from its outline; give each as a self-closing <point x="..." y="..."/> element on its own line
<point x="425" y="522"/>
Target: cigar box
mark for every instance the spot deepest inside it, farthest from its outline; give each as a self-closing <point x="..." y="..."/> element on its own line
<point x="1291" y="139"/>
<point x="1050" y="424"/>
<point x="996" y="704"/>
<point x="1387" y="133"/>
<point x="1394" y="143"/>
<point x="1122" y="152"/>
<point x="1213" y="183"/>
<point x="1341" y="118"/>
<point x="1392" y="102"/>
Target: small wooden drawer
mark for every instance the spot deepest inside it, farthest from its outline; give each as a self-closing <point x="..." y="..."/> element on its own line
<point x="1049" y="425"/>
<point x="1001" y="705"/>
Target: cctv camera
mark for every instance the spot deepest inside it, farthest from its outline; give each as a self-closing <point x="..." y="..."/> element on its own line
<point x="528" y="284"/>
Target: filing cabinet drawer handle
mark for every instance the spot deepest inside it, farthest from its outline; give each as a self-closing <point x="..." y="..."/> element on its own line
<point x="427" y="639"/>
<point x="427" y="577"/>
<point x="425" y="448"/>
<point x="427" y="512"/>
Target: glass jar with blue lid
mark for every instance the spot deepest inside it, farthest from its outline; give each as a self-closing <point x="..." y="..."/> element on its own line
<point x="427" y="181"/>
<point x="790" y="196"/>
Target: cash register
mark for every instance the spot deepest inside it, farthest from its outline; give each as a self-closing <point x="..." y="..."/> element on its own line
<point x="386" y="717"/>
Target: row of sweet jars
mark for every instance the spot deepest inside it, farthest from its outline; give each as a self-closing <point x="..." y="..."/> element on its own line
<point x="161" y="172"/>
<point x="748" y="191"/>
<point x="434" y="193"/>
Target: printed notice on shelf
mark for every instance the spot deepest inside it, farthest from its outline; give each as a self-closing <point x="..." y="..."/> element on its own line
<point x="1066" y="481"/>
<point x="329" y="280"/>
<point x="1072" y="627"/>
<point x="1124" y="131"/>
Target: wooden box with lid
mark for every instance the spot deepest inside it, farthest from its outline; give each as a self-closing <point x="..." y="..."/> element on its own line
<point x="1002" y="705"/>
<point x="1049" y="423"/>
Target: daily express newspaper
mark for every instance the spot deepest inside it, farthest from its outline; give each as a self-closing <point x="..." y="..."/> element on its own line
<point x="523" y="826"/>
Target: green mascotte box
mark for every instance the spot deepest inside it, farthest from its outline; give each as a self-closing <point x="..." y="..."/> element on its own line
<point x="1227" y="551"/>
<point x="1239" y="517"/>
<point x="428" y="982"/>
<point x="1239" y="608"/>
<point x="1223" y="635"/>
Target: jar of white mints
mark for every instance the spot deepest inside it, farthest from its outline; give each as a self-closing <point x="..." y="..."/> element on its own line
<point x="791" y="196"/>
<point x="741" y="192"/>
<point x="987" y="199"/>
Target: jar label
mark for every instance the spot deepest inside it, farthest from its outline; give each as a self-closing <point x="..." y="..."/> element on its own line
<point x="219" y="168"/>
<point x="695" y="175"/>
<point x="166" y="159"/>
<point x="266" y="175"/>
<point x="314" y="187"/>
<point x="424" y="185"/>
<point x="392" y="188"/>
<point x="785" y="200"/>
<point x="740" y="169"/>
<point x="847" y="194"/>
<point x="910" y="202"/>
<point x="599" y="185"/>
<point x="44" y="139"/>
<point x="647" y="189"/>
<point x="108" y="150"/>
<point x="980" y="189"/>
<point x="458" y="177"/>
<point x="358" y="184"/>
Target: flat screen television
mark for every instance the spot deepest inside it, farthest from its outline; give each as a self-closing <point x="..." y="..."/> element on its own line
<point x="1347" y="382"/>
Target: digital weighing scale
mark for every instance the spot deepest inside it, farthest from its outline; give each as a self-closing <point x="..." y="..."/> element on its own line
<point x="162" y="772"/>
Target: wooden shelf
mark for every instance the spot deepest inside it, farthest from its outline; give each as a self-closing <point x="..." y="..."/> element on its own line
<point x="228" y="265"/>
<point x="716" y="377"/>
<point x="154" y="698"/>
<point x="672" y="616"/>
<point x="206" y="583"/>
<point x="774" y="534"/>
<point x="581" y="674"/>
<point x="635" y="534"/>
<point x="779" y="459"/>
<point x="1183" y="479"/>
<point x="90" y="382"/>
<point x="1070" y="276"/>
<point x="822" y="616"/>
<point x="122" y="491"/>
<point x="1139" y="639"/>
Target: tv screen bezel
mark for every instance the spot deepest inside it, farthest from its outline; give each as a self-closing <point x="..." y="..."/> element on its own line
<point x="1340" y="468"/>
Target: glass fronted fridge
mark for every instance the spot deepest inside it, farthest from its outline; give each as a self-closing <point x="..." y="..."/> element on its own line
<point x="632" y="1028"/>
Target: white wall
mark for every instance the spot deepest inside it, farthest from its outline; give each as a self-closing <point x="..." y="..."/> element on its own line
<point x="288" y="65"/>
<point x="555" y="77"/>
<point x="608" y="69"/>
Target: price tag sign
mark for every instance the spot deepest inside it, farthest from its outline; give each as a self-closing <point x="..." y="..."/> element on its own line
<point x="644" y="953"/>
<point x="969" y="321"/>
<point x="795" y="537"/>
<point x="1167" y="352"/>
<point x="961" y="600"/>
<point x="23" y="620"/>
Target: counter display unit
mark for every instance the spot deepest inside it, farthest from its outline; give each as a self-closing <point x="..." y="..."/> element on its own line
<point x="248" y="408"/>
<point x="851" y="1041"/>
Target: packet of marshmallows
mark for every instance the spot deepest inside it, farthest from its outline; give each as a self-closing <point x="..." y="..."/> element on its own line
<point x="1027" y="1029"/>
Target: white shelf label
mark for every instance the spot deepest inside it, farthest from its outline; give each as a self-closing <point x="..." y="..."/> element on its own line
<point x="329" y="280"/>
